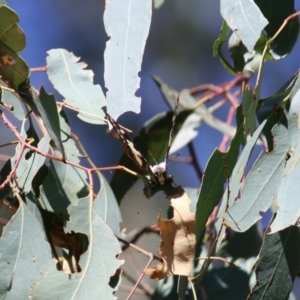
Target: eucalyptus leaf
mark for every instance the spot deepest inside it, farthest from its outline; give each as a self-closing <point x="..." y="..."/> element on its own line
<point x="127" y="23"/>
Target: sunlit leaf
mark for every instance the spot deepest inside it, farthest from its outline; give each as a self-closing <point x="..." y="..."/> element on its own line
<point x="232" y="191"/>
<point x="23" y="250"/>
<point x="288" y="200"/>
<point x="127" y="25"/>
<point x="245" y="19"/>
<point x="261" y="185"/>
<point x="75" y="84"/>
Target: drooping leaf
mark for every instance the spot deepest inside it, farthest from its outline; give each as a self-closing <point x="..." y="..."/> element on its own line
<point x="261" y="185"/>
<point x="47" y="109"/>
<point x="233" y="188"/>
<point x="127" y="25"/>
<point x="278" y="263"/>
<point x="245" y="19"/>
<point x="23" y="251"/>
<point x="75" y="84"/>
<point x="217" y="171"/>
<point x="97" y="264"/>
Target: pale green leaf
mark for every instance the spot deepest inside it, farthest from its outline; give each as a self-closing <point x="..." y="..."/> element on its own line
<point x="32" y="164"/>
<point x="75" y="84"/>
<point x="277" y="265"/>
<point x="232" y="191"/>
<point x="23" y="251"/>
<point x="245" y="19"/>
<point x="288" y="200"/>
<point x="261" y="185"/>
<point x="108" y="208"/>
<point x="97" y="264"/>
<point x="127" y="24"/>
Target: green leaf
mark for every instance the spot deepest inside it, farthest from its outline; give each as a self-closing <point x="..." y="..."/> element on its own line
<point x="97" y="264"/>
<point x="14" y="69"/>
<point x="278" y="265"/>
<point x="11" y="35"/>
<point x="107" y="208"/>
<point x="75" y="84"/>
<point x="23" y="251"/>
<point x="249" y="104"/>
<point x="233" y="187"/>
<point x="217" y="171"/>
<point x="245" y="19"/>
<point x="127" y="24"/>
<point x="261" y="185"/>
<point x="276" y="12"/>
<point x="5" y="171"/>
<point x="47" y="109"/>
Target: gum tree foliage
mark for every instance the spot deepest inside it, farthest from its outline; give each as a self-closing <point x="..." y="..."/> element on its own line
<point x="61" y="237"/>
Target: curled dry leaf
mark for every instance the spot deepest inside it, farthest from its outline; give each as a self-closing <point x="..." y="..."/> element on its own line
<point x="178" y="240"/>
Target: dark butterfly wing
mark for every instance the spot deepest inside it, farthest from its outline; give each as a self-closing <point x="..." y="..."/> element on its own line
<point x="130" y="150"/>
<point x="158" y="173"/>
<point x="160" y="170"/>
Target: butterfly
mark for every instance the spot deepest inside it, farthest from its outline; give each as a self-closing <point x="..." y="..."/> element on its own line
<point x="158" y="172"/>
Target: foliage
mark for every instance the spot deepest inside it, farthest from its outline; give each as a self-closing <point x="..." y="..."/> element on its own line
<point x="65" y="235"/>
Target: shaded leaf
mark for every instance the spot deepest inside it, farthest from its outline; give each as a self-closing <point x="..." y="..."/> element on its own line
<point x="75" y="84"/>
<point x="249" y="104"/>
<point x="97" y="264"/>
<point x="261" y="186"/>
<point x="24" y="251"/>
<point x="127" y="25"/>
<point x="245" y="19"/>
<point x="217" y="171"/>
<point x="47" y="109"/>
<point x="278" y="263"/>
